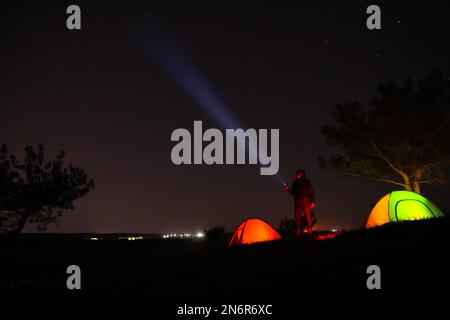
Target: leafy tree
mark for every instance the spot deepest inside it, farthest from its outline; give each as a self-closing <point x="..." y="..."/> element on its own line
<point x="37" y="191"/>
<point x="402" y="139"/>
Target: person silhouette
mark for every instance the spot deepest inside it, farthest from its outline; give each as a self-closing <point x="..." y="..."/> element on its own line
<point x="304" y="200"/>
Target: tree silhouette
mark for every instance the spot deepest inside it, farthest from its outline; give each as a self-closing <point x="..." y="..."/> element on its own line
<point x="402" y="139"/>
<point x="37" y="191"/>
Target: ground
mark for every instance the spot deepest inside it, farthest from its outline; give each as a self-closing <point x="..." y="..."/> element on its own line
<point x="412" y="257"/>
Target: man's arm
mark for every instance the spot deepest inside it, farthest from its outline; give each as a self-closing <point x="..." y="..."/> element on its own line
<point x="288" y="190"/>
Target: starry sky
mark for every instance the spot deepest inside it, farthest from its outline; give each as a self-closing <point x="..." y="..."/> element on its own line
<point x="99" y="95"/>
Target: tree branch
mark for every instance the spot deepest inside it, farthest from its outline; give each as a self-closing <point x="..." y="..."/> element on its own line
<point x="375" y="178"/>
<point x="389" y="162"/>
<point x="381" y="155"/>
<point x="439" y="180"/>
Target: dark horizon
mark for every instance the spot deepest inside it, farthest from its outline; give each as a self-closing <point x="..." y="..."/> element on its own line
<point x="98" y="94"/>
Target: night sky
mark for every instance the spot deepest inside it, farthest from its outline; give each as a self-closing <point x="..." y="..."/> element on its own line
<point x="98" y="94"/>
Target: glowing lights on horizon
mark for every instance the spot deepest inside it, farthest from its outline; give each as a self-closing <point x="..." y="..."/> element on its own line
<point x="198" y="235"/>
<point x="130" y="238"/>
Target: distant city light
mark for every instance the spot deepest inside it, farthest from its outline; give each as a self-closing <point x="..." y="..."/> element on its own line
<point x="131" y="238"/>
<point x="183" y="235"/>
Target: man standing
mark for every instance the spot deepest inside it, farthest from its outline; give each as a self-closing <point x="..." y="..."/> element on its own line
<point x="303" y="194"/>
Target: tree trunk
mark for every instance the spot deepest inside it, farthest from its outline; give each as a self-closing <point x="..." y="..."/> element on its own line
<point x="417" y="178"/>
<point x="407" y="181"/>
<point x="20" y="225"/>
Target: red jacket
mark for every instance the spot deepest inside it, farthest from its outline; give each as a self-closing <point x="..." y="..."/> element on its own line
<point x="302" y="190"/>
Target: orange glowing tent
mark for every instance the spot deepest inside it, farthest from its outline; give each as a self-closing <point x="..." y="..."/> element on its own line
<point x="252" y="231"/>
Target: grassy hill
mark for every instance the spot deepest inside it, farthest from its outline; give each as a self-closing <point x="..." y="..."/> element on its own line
<point x="413" y="257"/>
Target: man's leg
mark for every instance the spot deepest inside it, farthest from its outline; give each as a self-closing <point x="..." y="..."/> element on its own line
<point x="307" y="209"/>
<point x="298" y="220"/>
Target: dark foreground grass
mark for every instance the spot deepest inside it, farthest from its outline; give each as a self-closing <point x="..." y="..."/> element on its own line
<point x="413" y="258"/>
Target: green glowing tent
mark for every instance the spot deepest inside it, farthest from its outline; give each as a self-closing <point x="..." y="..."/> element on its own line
<point x="400" y="206"/>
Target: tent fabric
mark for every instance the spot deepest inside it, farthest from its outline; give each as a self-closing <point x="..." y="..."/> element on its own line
<point x="380" y="213"/>
<point x="253" y="231"/>
<point x="400" y="206"/>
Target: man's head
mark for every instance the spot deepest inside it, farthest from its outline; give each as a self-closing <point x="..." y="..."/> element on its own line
<point x="299" y="174"/>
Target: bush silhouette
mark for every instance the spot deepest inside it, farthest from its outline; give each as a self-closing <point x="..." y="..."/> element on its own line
<point x="287" y="225"/>
<point x="215" y="235"/>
